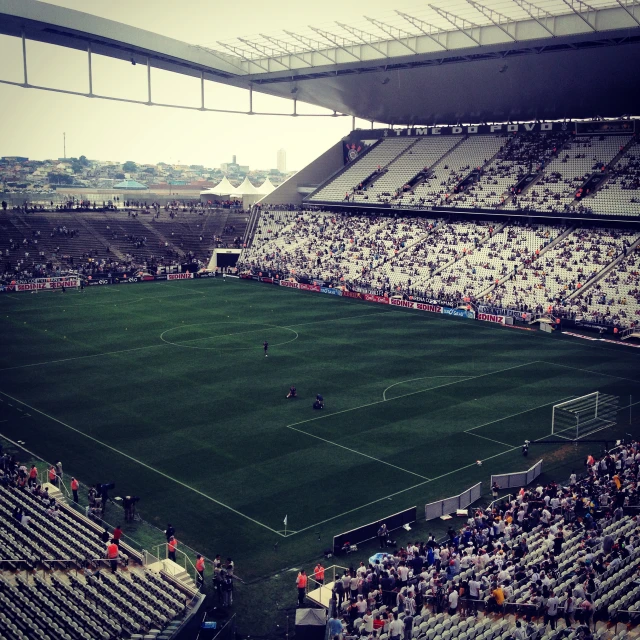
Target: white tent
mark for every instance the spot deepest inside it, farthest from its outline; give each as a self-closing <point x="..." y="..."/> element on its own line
<point x="246" y="189"/>
<point x="266" y="187"/>
<point x="223" y="188"/>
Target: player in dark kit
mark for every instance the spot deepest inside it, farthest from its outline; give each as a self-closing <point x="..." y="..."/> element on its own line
<point x="266" y="347"/>
<point x="292" y="392"/>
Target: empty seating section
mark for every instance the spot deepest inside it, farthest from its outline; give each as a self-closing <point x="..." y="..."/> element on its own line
<point x="579" y="158"/>
<point x="520" y="154"/>
<point x="479" y="268"/>
<point x="381" y="155"/>
<point x="559" y="163"/>
<point x="621" y="193"/>
<point x="68" y="239"/>
<point x="446" y="243"/>
<point x="563" y="269"/>
<point x="87" y="603"/>
<point x="470" y="154"/>
<point x="616" y="297"/>
<point x="421" y="156"/>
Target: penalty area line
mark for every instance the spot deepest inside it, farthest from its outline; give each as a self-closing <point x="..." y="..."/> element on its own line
<point x="144" y="464"/>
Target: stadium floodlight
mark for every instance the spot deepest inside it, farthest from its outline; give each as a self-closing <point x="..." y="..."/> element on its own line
<point x="585" y="415"/>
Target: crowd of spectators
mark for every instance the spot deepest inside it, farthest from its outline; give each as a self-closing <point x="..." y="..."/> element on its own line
<point x="545" y="555"/>
<point x="515" y="265"/>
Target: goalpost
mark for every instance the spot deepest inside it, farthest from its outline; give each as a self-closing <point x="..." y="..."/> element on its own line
<point x="577" y="418"/>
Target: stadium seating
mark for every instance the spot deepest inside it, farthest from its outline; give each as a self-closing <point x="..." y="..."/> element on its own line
<point x="567" y="266"/>
<point x="579" y="158"/>
<point x="546" y="541"/>
<point x="84" y="604"/>
<point x="620" y="195"/>
<point x="377" y="158"/>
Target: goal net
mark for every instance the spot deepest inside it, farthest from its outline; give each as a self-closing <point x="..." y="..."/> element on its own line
<point x="577" y="418"/>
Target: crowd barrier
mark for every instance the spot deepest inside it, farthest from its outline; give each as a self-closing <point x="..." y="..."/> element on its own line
<point x="370" y="531"/>
<point x="518" y="478"/>
<point x="446" y="506"/>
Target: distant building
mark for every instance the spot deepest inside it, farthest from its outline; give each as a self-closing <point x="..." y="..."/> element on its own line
<point x="281" y="162"/>
<point x="130" y="184"/>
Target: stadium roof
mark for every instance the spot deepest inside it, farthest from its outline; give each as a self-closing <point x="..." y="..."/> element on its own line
<point x="458" y="61"/>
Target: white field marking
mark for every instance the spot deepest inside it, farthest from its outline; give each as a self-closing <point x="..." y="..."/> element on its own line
<point x="312" y="435"/>
<point x="411" y="393"/>
<point x="598" y="373"/>
<point x="149" y="346"/>
<point x="391" y="495"/>
<point x="365" y="455"/>
<point x="143" y="464"/>
<point x="91" y="355"/>
<point x="263" y="327"/>
<point x="504" y="444"/>
<point x="360" y="315"/>
<point x="362" y="506"/>
<point x="395" y="384"/>
<point x="513" y="415"/>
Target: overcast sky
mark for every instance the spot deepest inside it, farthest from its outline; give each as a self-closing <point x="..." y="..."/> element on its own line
<point x="34" y="120"/>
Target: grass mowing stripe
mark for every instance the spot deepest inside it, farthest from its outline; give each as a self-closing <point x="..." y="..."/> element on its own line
<point x="598" y="373"/>
<point x="144" y="464"/>
<point x="336" y="444"/>
<point x="91" y="355"/>
<point x="412" y="393"/>
<point x="504" y="444"/>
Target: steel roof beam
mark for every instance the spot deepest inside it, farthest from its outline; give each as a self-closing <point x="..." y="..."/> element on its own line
<point x="459" y="23"/>
<point x="583" y="8"/>
<point x="284" y="48"/>
<point x="537" y="14"/>
<point x="389" y="30"/>
<point x="498" y="19"/>
<point x="626" y="8"/>
<point x="313" y="46"/>
<point x="335" y="40"/>
<point x="267" y="53"/>
<point x="360" y="35"/>
<point x="420" y="25"/>
<point x="244" y="54"/>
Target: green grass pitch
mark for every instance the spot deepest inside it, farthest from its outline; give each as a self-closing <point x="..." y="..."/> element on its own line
<point x="164" y="389"/>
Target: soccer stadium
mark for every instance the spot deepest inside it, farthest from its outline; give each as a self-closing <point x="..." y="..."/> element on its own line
<point x="394" y="396"/>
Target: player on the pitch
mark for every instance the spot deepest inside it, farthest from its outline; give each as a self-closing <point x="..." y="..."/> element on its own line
<point x="293" y="393"/>
<point x="266" y="348"/>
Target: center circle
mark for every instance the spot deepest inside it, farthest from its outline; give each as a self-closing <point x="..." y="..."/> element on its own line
<point x="194" y="336"/>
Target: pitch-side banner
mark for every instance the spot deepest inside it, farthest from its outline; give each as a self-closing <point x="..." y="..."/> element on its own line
<point x="490" y="317"/>
<point x="41" y="285"/>
<point x="432" y="308"/>
<point x="179" y="276"/>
